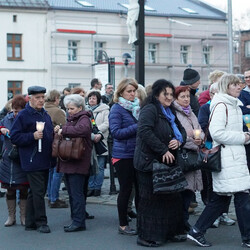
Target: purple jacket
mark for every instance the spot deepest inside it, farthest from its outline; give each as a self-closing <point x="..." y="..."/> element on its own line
<point x="78" y="125"/>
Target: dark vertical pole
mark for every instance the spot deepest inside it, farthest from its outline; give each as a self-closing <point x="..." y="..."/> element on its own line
<point x="140" y="46"/>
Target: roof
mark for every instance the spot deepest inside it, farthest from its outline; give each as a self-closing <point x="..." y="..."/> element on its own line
<point x="168" y="8"/>
<point x="34" y="4"/>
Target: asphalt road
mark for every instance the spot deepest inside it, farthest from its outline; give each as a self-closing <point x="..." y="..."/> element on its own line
<point x="101" y="233"/>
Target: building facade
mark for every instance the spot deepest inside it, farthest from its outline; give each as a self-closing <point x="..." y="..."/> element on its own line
<point x="62" y="42"/>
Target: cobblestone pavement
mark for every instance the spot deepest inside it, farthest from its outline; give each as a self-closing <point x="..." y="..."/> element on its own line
<point x="107" y="199"/>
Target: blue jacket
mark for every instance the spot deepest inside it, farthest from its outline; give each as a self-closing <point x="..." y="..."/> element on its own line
<point x="10" y="171"/>
<point x="22" y="135"/>
<point x="123" y="129"/>
<point x="245" y="98"/>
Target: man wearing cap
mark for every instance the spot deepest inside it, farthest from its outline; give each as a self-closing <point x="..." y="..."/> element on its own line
<point x="191" y="78"/>
<point x="36" y="164"/>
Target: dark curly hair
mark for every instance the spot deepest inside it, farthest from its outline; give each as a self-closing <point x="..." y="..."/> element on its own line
<point x="158" y="86"/>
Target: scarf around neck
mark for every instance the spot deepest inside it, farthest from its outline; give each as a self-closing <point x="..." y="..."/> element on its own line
<point x="171" y="118"/>
<point x="130" y="106"/>
<point x="186" y="110"/>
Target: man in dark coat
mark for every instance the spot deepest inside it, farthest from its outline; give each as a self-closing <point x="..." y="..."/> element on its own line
<point x="191" y="78"/>
<point x="35" y="162"/>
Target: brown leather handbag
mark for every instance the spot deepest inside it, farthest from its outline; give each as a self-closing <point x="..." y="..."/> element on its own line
<point x="66" y="148"/>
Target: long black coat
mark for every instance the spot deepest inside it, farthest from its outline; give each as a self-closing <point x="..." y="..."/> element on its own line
<point x="153" y="136"/>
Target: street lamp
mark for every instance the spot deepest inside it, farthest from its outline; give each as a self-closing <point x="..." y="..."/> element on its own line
<point x="126" y="58"/>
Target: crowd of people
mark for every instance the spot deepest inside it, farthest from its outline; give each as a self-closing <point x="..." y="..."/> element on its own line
<point x="146" y="126"/>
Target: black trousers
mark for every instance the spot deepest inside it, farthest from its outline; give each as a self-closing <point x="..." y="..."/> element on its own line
<point x="35" y="208"/>
<point x="126" y="176"/>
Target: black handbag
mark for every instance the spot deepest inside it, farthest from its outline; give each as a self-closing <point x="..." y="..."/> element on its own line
<point x="13" y="153"/>
<point x="100" y="148"/>
<point x="187" y="159"/>
<point x="167" y="179"/>
<point x="210" y="159"/>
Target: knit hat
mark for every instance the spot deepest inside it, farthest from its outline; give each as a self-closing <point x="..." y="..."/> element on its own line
<point x="190" y="76"/>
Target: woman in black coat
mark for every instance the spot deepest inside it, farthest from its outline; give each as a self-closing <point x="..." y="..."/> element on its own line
<point x="159" y="135"/>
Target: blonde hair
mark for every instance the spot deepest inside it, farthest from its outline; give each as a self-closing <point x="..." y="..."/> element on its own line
<point x="215" y="75"/>
<point x="225" y="81"/>
<point x="141" y="93"/>
<point x="122" y="86"/>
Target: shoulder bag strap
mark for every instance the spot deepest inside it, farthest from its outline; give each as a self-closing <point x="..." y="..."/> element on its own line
<point x="206" y="133"/>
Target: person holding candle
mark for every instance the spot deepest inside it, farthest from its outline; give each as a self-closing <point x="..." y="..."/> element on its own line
<point x="76" y="172"/>
<point x="194" y="139"/>
<point x="159" y="135"/>
<point x="36" y="164"/>
<point x="234" y="179"/>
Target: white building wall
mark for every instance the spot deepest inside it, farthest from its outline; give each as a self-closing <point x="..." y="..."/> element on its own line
<point x="33" y="68"/>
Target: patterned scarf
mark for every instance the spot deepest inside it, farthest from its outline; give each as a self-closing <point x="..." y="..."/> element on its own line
<point x="130" y="106"/>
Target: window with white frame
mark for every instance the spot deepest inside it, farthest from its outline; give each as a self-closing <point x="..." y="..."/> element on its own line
<point x="247" y="48"/>
<point x="99" y="46"/>
<point x="207" y="50"/>
<point x="205" y="87"/>
<point x="72" y="51"/>
<point x="73" y="85"/>
<point x="184" y="54"/>
<point x="152" y="52"/>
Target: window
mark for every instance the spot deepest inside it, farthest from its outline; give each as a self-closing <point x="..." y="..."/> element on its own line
<point x="14" y="88"/>
<point x="184" y="54"/>
<point x="73" y="85"/>
<point x="99" y="46"/>
<point x="205" y="87"/>
<point x="207" y="54"/>
<point x="14" y="47"/>
<point x="247" y="49"/>
<point x="152" y="52"/>
<point x="72" y="51"/>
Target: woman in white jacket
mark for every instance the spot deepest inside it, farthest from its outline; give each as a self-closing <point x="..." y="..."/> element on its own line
<point x="226" y="128"/>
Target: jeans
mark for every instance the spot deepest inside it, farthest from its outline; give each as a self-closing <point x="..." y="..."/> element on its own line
<point x="54" y="184"/>
<point x="75" y="185"/>
<point x="96" y="181"/>
<point x="187" y="196"/>
<point x="218" y="204"/>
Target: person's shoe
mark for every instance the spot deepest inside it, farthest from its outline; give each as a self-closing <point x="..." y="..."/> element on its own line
<point x="97" y="192"/>
<point x="193" y="204"/>
<point x="43" y="229"/>
<point x="225" y="220"/>
<point x="179" y="238"/>
<point x="90" y="192"/>
<point x="199" y="238"/>
<point x="147" y="243"/>
<point x="66" y="226"/>
<point x="88" y="216"/>
<point x="132" y="214"/>
<point x="127" y="231"/>
<point x="246" y="243"/>
<point x="58" y="204"/>
<point x="190" y="210"/>
<point x="30" y="227"/>
<point x="73" y="228"/>
<point x="216" y="223"/>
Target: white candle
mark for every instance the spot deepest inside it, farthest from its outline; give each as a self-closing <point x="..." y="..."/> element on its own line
<point x="197" y="133"/>
<point x="40" y="128"/>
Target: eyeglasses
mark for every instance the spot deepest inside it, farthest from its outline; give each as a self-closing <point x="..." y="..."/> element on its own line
<point x="247" y="77"/>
